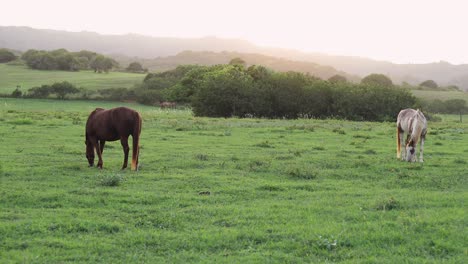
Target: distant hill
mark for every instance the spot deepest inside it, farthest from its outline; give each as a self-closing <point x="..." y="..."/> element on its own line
<point x="442" y="72"/>
<point x="23" y="38"/>
<point x="212" y="58"/>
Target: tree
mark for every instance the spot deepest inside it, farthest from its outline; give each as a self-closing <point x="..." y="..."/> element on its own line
<point x="62" y="89"/>
<point x="17" y="93"/>
<point x="337" y="78"/>
<point x="455" y="106"/>
<point x="437" y="106"/>
<point x="40" y="92"/>
<point x="429" y="84"/>
<point x="102" y="64"/>
<point x="67" y="62"/>
<point x="376" y="79"/>
<point x="6" y="56"/>
<point x="237" y="61"/>
<point x="135" y="67"/>
<point x="259" y="72"/>
<point x="223" y="93"/>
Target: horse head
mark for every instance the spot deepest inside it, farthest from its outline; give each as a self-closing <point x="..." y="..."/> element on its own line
<point x="410" y="151"/>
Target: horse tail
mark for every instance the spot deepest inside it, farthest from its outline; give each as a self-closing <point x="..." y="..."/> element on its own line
<point x="136" y="140"/>
<point x="398" y="148"/>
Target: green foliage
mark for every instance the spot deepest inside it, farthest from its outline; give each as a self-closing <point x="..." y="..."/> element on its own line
<point x="237" y="61"/>
<point x="388" y="204"/>
<point x="167" y="86"/>
<point x="101" y="63"/>
<point x="42" y="91"/>
<point x="366" y="102"/>
<point x="337" y="78"/>
<point x="6" y="56"/>
<point x="455" y="106"/>
<point x="136" y="67"/>
<point x="223" y="93"/>
<point x="429" y="84"/>
<point x="17" y="93"/>
<point x="232" y="91"/>
<point x="111" y="180"/>
<point x="450" y="106"/>
<point x="63" y="60"/>
<point x="375" y="79"/>
<point x="60" y="89"/>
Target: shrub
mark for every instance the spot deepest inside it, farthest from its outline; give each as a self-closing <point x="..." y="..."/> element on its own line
<point x="111" y="180"/>
<point x="135" y="67"/>
<point x="301" y="173"/>
<point x="17" y="93"/>
<point x="60" y="89"/>
<point x="388" y="204"/>
<point x="6" y="56"/>
<point x="40" y="92"/>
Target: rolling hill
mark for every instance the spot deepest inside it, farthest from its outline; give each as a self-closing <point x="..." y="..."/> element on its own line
<point x="132" y="45"/>
<point x="17" y="75"/>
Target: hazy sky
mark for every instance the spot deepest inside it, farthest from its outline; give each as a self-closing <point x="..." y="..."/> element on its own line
<point x="402" y="31"/>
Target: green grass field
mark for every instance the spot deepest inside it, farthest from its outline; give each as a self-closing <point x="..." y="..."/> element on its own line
<point x="214" y="190"/>
<point x="441" y="95"/>
<point x="11" y="76"/>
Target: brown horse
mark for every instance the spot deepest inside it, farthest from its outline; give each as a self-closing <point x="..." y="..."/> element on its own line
<point x="110" y="125"/>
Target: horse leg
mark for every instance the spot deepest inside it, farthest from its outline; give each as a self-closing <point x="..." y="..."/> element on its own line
<point x="403" y="145"/>
<point x="102" y="143"/>
<point x="421" y="149"/>
<point x="124" y="142"/>
<point x="136" y="141"/>
<point x="398" y="142"/>
<point x="98" y="151"/>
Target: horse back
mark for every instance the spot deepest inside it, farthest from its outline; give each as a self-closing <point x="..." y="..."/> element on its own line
<point x="407" y="118"/>
<point x="112" y="124"/>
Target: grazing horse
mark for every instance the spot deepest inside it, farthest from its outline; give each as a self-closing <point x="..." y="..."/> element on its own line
<point x="167" y="105"/>
<point x="414" y="123"/>
<point x="110" y="125"/>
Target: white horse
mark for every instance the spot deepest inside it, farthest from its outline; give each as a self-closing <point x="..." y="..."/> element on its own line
<point x="414" y="123"/>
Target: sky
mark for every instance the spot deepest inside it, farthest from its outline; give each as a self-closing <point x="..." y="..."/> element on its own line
<point x="401" y="31"/>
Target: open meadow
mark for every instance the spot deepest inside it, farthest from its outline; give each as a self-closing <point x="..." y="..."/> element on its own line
<point x="441" y="95"/>
<point x="215" y="190"/>
<point x="13" y="75"/>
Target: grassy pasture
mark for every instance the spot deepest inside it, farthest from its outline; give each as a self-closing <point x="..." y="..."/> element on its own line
<point x="11" y="76"/>
<point x="441" y="95"/>
<point x="227" y="190"/>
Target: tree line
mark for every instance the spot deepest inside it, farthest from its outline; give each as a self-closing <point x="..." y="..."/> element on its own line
<point x="64" y="60"/>
<point x="256" y="91"/>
